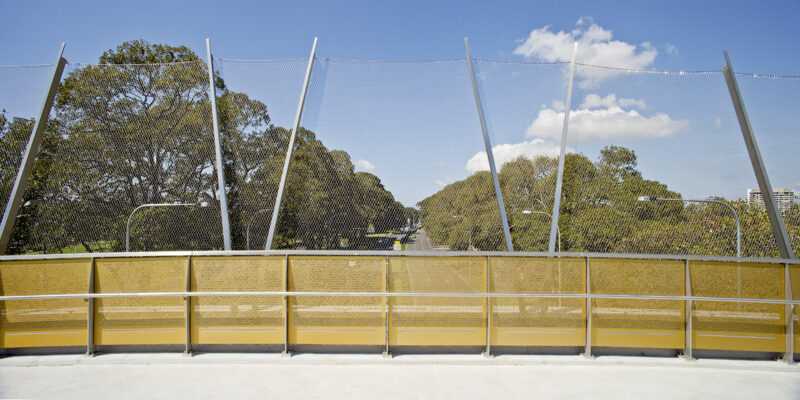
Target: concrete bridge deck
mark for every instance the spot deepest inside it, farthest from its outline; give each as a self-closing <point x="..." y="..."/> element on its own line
<point x="356" y="376"/>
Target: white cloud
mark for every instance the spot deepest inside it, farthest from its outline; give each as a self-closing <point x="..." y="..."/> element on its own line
<point x="604" y="118"/>
<point x="365" y="165"/>
<point x="671" y="49"/>
<point x="447" y="181"/>
<point x="595" y="47"/>
<point x="718" y="122"/>
<point x="504" y="153"/>
<point x="595" y="101"/>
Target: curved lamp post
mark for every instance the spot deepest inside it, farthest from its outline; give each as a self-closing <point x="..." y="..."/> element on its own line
<point x="558" y="229"/>
<point x="128" y="226"/>
<point x="250" y="222"/>
<point x="735" y="215"/>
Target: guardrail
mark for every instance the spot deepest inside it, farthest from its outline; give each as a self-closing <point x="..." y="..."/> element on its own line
<point x="400" y="299"/>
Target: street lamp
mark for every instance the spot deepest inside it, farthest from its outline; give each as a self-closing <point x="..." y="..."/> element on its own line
<point x="558" y="229"/>
<point x="735" y="215"/>
<point x="250" y="222"/>
<point x="128" y="226"/>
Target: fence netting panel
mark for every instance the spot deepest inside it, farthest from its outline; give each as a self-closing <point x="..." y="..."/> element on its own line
<point x="772" y="103"/>
<point x="381" y="152"/>
<point x="125" y="136"/>
<point x="658" y="135"/>
<point x="257" y="108"/>
<point x="22" y="90"/>
<point x="513" y="94"/>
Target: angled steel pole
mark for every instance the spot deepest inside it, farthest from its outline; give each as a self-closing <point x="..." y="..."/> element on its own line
<point x="223" y="192"/>
<point x="489" y="153"/>
<point x="282" y="186"/>
<point x="775" y="220"/>
<point x="31" y="150"/>
<point x="551" y="247"/>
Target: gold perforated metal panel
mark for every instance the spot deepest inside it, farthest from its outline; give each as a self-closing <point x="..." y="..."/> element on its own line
<point x="240" y="319"/>
<point x="538" y="321"/>
<point x="431" y="321"/>
<point x="337" y="320"/>
<point x="638" y="323"/>
<point x="147" y="320"/>
<point x="794" y="273"/>
<point x="40" y="323"/>
<point x="737" y="326"/>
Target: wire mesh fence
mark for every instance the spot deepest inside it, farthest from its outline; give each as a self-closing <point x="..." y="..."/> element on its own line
<point x="653" y="136"/>
<point x="125" y="136"/>
<point x="257" y="109"/>
<point x="513" y="95"/>
<point x="390" y="155"/>
<point x="772" y="103"/>
<point x="21" y="90"/>
<point x="381" y="153"/>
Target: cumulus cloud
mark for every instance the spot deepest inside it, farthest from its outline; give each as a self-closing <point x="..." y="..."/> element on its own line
<point x="447" y="181"/>
<point x="671" y="49"/>
<point x="718" y="122"/>
<point x="365" y="165"/>
<point x="595" y="47"/>
<point x="595" y="101"/>
<point x="606" y="118"/>
<point x="504" y="153"/>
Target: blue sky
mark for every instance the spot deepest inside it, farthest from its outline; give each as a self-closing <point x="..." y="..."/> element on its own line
<point x="431" y="129"/>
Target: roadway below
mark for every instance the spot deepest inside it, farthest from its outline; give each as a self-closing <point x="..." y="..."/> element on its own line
<point x="370" y="376"/>
<point x="420" y="242"/>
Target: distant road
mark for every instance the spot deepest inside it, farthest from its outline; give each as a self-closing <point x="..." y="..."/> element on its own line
<point x="420" y="242"/>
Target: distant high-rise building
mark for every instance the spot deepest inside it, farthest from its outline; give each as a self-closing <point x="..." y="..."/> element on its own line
<point x="783" y="197"/>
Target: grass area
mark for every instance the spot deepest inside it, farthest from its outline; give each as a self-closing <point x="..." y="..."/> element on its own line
<point x="380" y="235"/>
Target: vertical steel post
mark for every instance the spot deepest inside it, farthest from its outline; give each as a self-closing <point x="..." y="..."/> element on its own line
<point x="188" y="350"/>
<point x="286" y="305"/>
<point x="788" y="356"/>
<point x="287" y="161"/>
<point x="223" y="192"/>
<point x="489" y="152"/>
<point x="488" y="351"/>
<point x="587" y="352"/>
<point x="551" y="247"/>
<point x="775" y="219"/>
<point x="90" y="313"/>
<point x="31" y="150"/>
<point x="386" y="352"/>
<point x="687" y="351"/>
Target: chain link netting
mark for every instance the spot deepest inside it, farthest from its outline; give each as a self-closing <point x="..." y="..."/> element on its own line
<point x="390" y="155"/>
<point x="22" y="89"/>
<point x="640" y="138"/>
<point x="512" y="94"/>
<point x="257" y="110"/>
<point x="772" y="103"/>
<point x="129" y="146"/>
<point x="381" y="147"/>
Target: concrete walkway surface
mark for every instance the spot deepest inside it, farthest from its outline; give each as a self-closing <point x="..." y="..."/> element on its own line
<point x="316" y="376"/>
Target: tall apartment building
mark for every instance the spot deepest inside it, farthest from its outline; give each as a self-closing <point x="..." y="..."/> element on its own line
<point x="784" y="198"/>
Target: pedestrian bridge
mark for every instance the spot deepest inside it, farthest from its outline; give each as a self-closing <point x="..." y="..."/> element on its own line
<point x="468" y="302"/>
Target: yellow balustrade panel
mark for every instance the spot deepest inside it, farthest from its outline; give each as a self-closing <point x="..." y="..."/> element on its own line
<point x="638" y="323"/>
<point x="43" y="323"/>
<point x="538" y="321"/>
<point x="337" y="320"/>
<point x="437" y="321"/>
<point x="239" y="319"/>
<point x="738" y="326"/>
<point x="146" y="320"/>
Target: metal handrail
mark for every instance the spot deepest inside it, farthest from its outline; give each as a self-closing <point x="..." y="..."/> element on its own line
<point x="381" y="253"/>
<point x="399" y="294"/>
